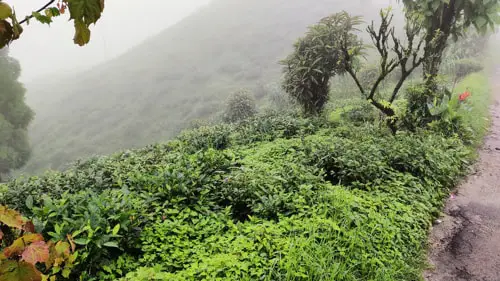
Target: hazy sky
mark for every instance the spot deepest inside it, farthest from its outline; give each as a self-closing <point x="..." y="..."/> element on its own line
<point x="44" y="50"/>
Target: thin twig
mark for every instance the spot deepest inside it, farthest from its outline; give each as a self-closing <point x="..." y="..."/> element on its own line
<point x="37" y="11"/>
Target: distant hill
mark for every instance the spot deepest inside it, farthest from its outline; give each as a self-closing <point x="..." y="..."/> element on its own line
<point x="185" y="72"/>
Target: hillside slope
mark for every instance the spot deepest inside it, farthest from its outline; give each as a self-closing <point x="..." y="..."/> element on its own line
<point x="183" y="73"/>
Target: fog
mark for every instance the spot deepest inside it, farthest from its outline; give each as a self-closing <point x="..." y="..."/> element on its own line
<point x="44" y="50"/>
<point x="143" y="79"/>
<point x="152" y="69"/>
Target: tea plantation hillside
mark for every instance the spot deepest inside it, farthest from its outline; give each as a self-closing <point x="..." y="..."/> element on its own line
<point x="339" y="178"/>
<point x="275" y="197"/>
<point x="150" y="93"/>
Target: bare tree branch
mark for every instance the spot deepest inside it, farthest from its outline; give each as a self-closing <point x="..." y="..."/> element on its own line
<point x="404" y="54"/>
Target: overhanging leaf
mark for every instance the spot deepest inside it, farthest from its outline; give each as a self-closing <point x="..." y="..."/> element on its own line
<point x="19" y="271"/>
<point x="20" y="243"/>
<point x="82" y="33"/>
<point x="85" y="11"/>
<point x="42" y="18"/>
<point x="36" y="252"/>
<point x="5" y="11"/>
<point x="8" y="216"/>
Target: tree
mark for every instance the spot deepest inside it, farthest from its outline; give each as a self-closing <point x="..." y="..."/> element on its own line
<point x="393" y="55"/>
<point x="82" y="12"/>
<point x="442" y="19"/>
<point x="239" y="106"/>
<point x="317" y="57"/>
<point x="15" y="116"/>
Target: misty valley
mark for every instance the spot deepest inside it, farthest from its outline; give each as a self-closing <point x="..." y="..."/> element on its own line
<point x="248" y="140"/>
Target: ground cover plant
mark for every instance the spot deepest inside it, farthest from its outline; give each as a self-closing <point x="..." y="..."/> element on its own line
<point x="301" y="199"/>
<point x="333" y="194"/>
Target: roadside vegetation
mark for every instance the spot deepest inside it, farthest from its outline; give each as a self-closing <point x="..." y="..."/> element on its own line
<point x="338" y="178"/>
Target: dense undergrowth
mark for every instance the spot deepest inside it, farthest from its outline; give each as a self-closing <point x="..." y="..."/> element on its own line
<point x="275" y="197"/>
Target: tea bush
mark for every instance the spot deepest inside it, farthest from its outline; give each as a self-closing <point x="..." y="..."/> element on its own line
<point x="103" y="224"/>
<point x="240" y="106"/>
<point x="275" y="197"/>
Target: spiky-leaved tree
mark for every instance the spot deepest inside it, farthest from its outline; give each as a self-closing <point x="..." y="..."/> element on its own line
<point x="317" y="57"/>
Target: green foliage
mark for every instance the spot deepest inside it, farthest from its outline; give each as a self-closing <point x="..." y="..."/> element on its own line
<point x="465" y="13"/>
<point x="317" y="57"/>
<point x="444" y="19"/>
<point x="82" y="12"/>
<point x="103" y="225"/>
<point x="285" y="198"/>
<point x="475" y="114"/>
<point x="216" y="137"/>
<point x="15" y="116"/>
<point x="178" y="80"/>
<point x="275" y="196"/>
<point x="360" y="114"/>
<point x="22" y="249"/>
<point x="239" y="106"/>
<point x="464" y="67"/>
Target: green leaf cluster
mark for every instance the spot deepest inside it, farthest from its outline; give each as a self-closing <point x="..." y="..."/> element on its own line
<point x="317" y="57"/>
<point x="300" y="199"/>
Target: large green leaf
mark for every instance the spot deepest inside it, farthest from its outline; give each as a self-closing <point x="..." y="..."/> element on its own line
<point x="82" y="33"/>
<point x="85" y="11"/>
<point x="19" y="271"/>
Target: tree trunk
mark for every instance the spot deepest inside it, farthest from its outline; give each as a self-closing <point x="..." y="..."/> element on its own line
<point x="436" y="42"/>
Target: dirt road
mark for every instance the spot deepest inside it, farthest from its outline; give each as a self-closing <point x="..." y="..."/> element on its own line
<point x="465" y="246"/>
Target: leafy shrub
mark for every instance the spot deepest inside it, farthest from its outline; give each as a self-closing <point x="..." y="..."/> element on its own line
<point x="367" y="159"/>
<point x="23" y="249"/>
<point x="465" y="67"/>
<point x="205" y="137"/>
<point x="102" y="225"/>
<point x="118" y="268"/>
<point x="273" y="125"/>
<point x="274" y="197"/>
<point x="182" y="236"/>
<point x="328" y="240"/>
<point x="420" y="106"/>
<point x="239" y="106"/>
<point x="360" y="114"/>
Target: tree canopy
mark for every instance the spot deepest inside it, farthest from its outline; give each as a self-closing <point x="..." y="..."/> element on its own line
<point x="83" y="13"/>
<point x="15" y="116"/>
<point x="442" y="19"/>
<point x="317" y="57"/>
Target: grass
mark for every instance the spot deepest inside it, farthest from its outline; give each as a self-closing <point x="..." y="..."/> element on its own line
<point x="478" y="116"/>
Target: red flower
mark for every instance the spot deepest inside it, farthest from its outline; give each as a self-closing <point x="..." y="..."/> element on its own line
<point x="463" y="96"/>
